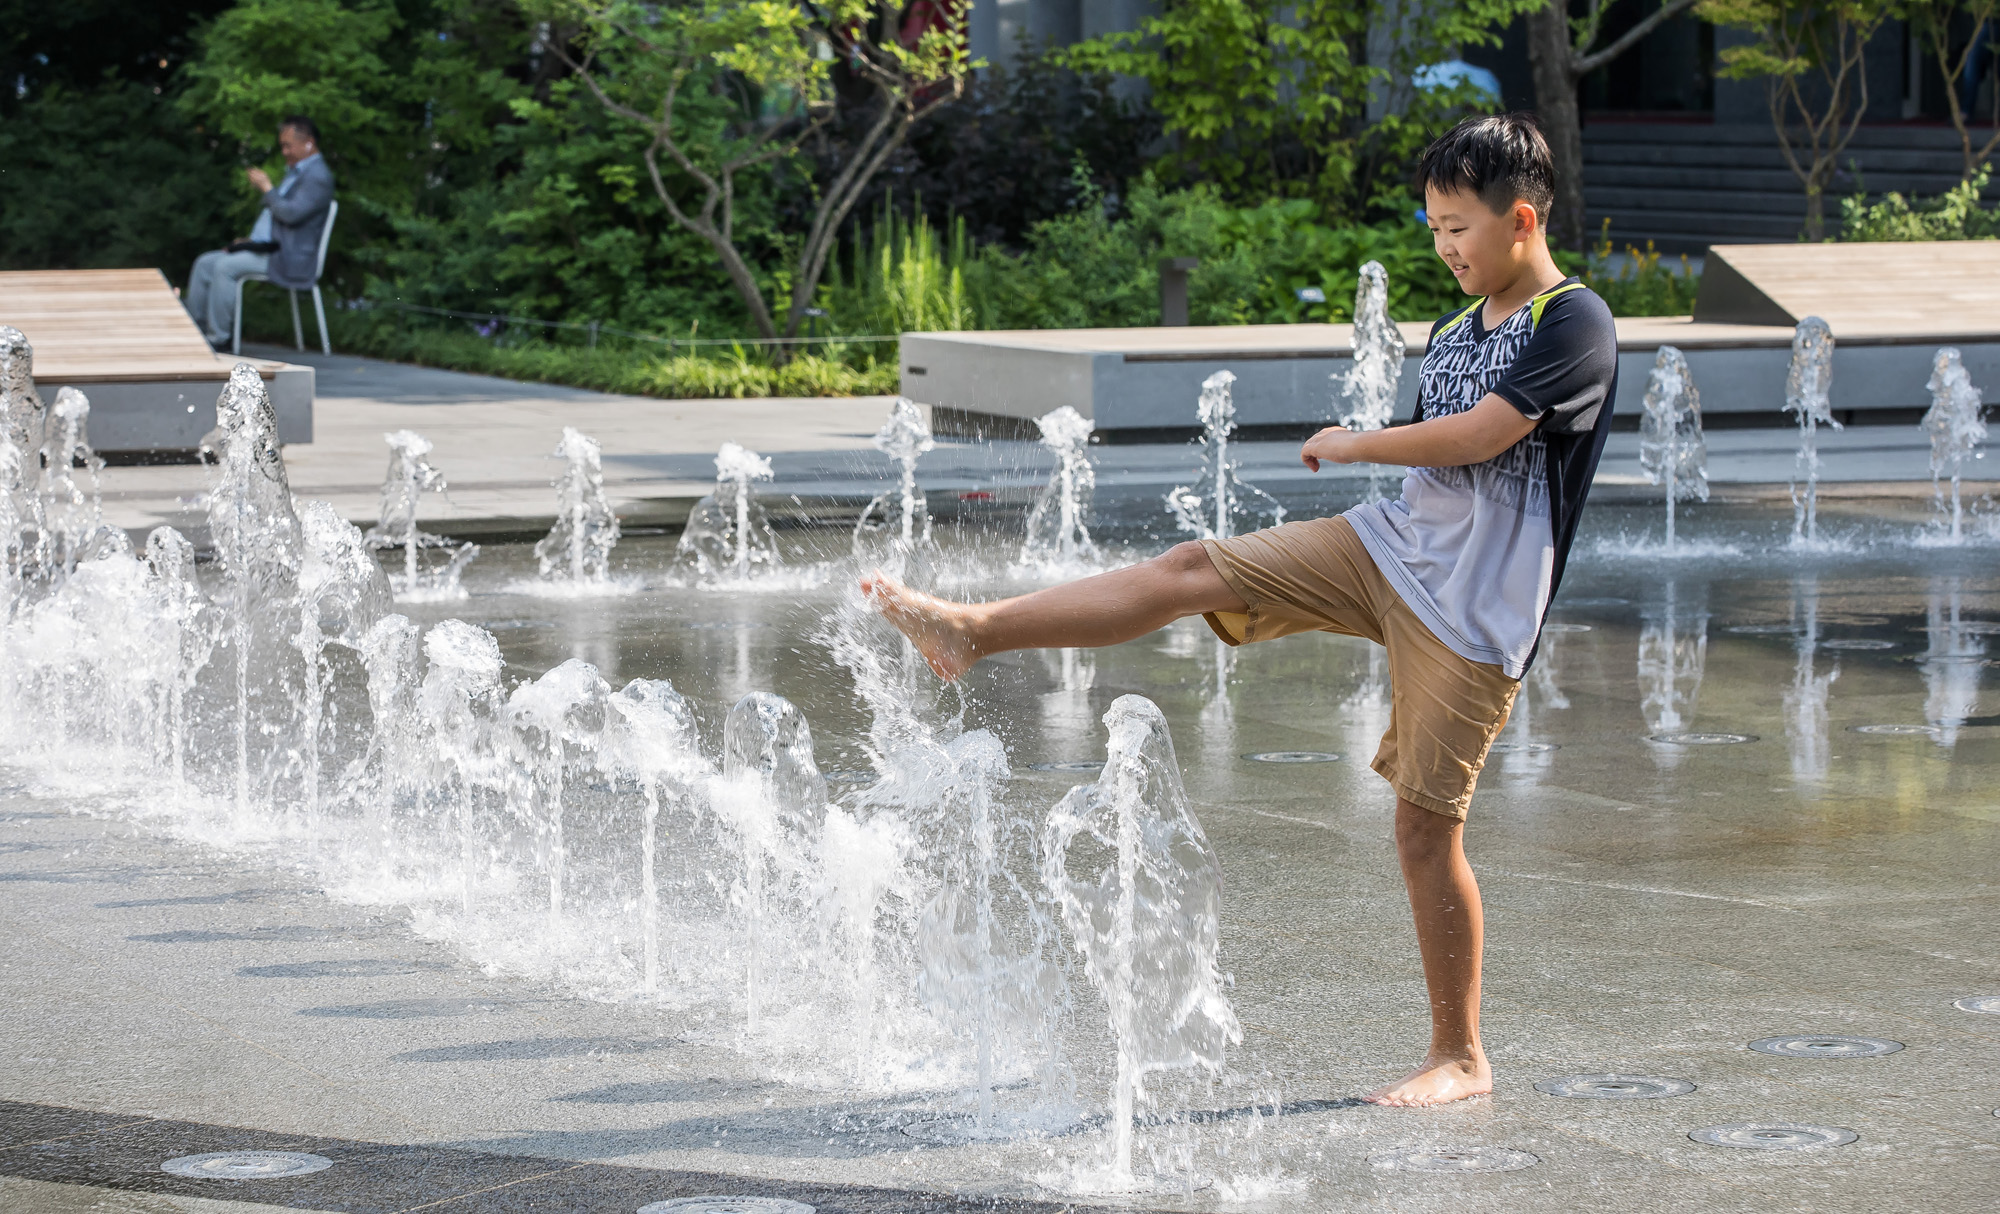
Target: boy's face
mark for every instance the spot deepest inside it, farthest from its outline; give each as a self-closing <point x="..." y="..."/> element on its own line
<point x="1484" y="250"/>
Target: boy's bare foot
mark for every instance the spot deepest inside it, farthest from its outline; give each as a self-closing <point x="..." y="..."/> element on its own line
<point x="1438" y="1081"/>
<point x="937" y="628"/>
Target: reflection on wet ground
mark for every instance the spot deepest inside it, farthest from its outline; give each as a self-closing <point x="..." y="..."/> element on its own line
<point x="1744" y="797"/>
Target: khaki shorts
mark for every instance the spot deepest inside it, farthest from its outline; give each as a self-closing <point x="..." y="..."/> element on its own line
<point x="1316" y="576"/>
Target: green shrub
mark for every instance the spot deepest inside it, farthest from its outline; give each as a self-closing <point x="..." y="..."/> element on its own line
<point x="1642" y="286"/>
<point x="1955" y="214"/>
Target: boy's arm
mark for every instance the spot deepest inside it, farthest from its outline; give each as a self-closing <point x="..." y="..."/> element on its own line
<point x="1471" y="437"/>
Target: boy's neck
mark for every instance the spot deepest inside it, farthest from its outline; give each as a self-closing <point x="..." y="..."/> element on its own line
<point x="1538" y="273"/>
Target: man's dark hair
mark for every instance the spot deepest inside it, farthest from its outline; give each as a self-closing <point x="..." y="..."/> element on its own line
<point x="304" y="126"/>
<point x="1500" y="157"/>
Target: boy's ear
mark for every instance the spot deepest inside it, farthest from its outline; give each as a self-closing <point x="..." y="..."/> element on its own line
<point x="1527" y="224"/>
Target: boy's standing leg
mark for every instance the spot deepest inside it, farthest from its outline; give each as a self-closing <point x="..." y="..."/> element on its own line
<point x="1451" y="932"/>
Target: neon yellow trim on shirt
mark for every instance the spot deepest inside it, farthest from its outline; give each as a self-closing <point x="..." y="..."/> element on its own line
<point x="1540" y="303"/>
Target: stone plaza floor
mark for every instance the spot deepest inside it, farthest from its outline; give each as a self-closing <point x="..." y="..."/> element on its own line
<point x="1748" y="795"/>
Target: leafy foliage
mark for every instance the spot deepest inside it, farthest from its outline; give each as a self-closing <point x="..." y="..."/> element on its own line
<point x="1956" y="214"/>
<point x="1641" y="286"/>
<point x="1270" y="98"/>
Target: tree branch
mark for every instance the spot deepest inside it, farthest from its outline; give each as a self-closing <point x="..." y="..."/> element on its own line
<point x="1586" y="64"/>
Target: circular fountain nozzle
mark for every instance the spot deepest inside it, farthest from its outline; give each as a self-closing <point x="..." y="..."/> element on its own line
<point x="1979" y="1003"/>
<point x="1694" y="738"/>
<point x="1774" y="1136"/>
<point x="1830" y="1046"/>
<point x="1614" y="1087"/>
<point x="1458" y="1161"/>
<point x="1293" y="756"/>
<point x="1900" y="731"/>
<point x="246" y="1165"/>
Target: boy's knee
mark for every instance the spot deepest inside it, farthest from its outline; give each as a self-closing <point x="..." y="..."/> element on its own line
<point x="1423" y="836"/>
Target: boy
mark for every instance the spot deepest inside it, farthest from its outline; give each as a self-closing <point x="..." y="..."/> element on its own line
<point x="1454" y="578"/>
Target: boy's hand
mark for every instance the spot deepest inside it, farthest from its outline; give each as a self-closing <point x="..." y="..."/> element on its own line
<point x="1335" y="445"/>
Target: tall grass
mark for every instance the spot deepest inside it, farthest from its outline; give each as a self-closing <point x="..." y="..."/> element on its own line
<point x="903" y="276"/>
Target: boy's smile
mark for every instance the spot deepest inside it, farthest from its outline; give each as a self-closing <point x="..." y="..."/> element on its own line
<point x="1485" y="251"/>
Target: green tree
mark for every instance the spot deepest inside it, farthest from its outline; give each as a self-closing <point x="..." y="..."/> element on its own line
<point x="406" y="103"/>
<point x="1270" y="98"/>
<point x="1809" y="54"/>
<point x="1931" y="21"/>
<point x="1562" y="51"/>
<point x="664" y="66"/>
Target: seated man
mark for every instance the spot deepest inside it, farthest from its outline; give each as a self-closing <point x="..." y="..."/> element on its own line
<point x="284" y="244"/>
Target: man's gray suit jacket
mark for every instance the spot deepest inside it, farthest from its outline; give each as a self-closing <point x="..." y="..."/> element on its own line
<point x="298" y="216"/>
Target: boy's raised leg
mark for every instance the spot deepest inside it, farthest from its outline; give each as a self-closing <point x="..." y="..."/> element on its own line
<point x="1451" y="928"/>
<point x="1101" y="610"/>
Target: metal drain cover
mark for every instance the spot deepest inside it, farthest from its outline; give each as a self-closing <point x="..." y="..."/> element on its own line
<point x="1521" y="748"/>
<point x="1614" y="1087"/>
<point x="1078" y="765"/>
<point x="1701" y="739"/>
<point x="1900" y="731"/>
<point x="1858" y="644"/>
<point x="1980" y="1003"/>
<point x="1803" y="1046"/>
<point x="1454" y="1161"/>
<point x="246" y="1165"/>
<point x="727" y="1205"/>
<point x="1293" y="756"/>
<point x="1563" y="626"/>
<point x="1762" y="630"/>
<point x="1774" y="1136"/>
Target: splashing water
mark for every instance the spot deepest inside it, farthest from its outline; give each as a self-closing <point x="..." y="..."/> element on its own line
<point x="1369" y="386"/>
<point x="21" y="431"/>
<point x="1807" y="385"/>
<point x="651" y="740"/>
<point x="72" y="514"/>
<point x="256" y="537"/>
<point x="411" y="475"/>
<point x="557" y="720"/>
<point x="1058" y="536"/>
<point x="170" y="558"/>
<point x="1957" y="428"/>
<point x="1806" y="700"/>
<point x="460" y="715"/>
<point x="728" y="535"/>
<point x="1147" y="924"/>
<point x="1221" y="504"/>
<point x="577" y="550"/>
<point x="341" y="594"/>
<point x="896" y="524"/>
<point x="1671" y="449"/>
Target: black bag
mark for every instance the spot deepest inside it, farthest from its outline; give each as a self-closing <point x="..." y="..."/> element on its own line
<point x="252" y="246"/>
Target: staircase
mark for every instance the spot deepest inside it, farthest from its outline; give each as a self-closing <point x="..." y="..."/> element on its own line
<point x="1685" y="186"/>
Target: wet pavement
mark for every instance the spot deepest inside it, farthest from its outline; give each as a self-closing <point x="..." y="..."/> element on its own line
<point x="1746" y="796"/>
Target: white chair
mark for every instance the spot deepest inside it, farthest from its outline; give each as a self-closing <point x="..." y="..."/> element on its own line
<point x="319" y="305"/>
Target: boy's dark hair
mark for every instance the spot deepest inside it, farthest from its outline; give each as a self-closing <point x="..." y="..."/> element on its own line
<point x="1500" y="157"/>
<point x="303" y="125"/>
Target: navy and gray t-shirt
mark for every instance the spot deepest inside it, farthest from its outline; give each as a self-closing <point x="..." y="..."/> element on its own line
<point x="1478" y="551"/>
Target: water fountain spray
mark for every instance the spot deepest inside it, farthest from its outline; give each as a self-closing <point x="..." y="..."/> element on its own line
<point x="390" y="767"/>
<point x="256" y="536"/>
<point x="905" y="521"/>
<point x="728" y="534"/>
<point x="341" y="593"/>
<point x="1807" y="387"/>
<point x="578" y="548"/>
<point x="21" y="430"/>
<point x="1221" y="503"/>
<point x="1957" y="428"/>
<point x="771" y="798"/>
<point x="1370" y="383"/>
<point x="555" y="718"/>
<point x="461" y="706"/>
<point x="1057" y="534"/>
<point x="1671" y="449"/>
<point x="1806" y="700"/>
<point x="1673" y="653"/>
<point x="411" y="475"/>
<point x="72" y="514"/>
<point x="1148" y="923"/>
<point x="650" y="738"/>
<point x="171" y="558"/>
